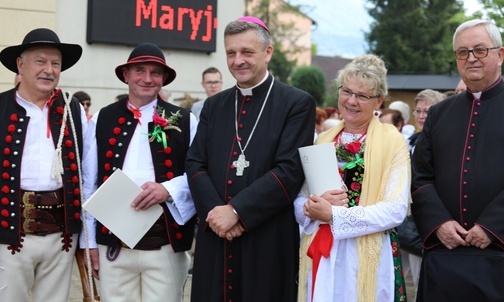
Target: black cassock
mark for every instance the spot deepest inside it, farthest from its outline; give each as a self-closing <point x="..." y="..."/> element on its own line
<point x="262" y="264"/>
<point x="458" y="174"/>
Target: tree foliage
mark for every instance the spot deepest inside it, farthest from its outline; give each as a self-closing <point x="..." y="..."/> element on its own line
<point x="312" y="80"/>
<point x="494" y="9"/>
<point x="282" y="34"/>
<point x="415" y="35"/>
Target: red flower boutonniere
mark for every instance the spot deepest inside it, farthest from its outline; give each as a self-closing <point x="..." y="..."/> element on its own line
<point x="353" y="147"/>
<point x="352" y="154"/>
<point x="162" y="123"/>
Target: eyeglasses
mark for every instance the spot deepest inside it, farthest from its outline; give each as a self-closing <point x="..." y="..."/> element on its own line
<point x="478" y="52"/>
<point x="212" y="83"/>
<point x="361" y="97"/>
<point x="420" y="112"/>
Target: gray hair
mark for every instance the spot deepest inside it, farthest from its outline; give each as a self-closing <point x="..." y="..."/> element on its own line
<point x="492" y="30"/>
<point x="368" y="69"/>
<point x="238" y="27"/>
<point x="431" y="97"/>
<point x="402" y="107"/>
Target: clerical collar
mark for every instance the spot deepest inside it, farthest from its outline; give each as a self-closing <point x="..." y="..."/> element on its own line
<point x="477" y="95"/>
<point x="248" y="91"/>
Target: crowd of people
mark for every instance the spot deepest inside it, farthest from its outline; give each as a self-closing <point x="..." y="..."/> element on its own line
<point x="425" y="198"/>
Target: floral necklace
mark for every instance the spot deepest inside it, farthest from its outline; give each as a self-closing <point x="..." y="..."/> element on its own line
<point x="161" y="123"/>
<point x="351" y="153"/>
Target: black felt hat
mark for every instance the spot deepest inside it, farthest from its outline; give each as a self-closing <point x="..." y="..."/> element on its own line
<point x="70" y="53"/>
<point x="147" y="53"/>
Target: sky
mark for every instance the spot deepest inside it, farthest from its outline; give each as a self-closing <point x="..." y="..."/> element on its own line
<point x="341" y="25"/>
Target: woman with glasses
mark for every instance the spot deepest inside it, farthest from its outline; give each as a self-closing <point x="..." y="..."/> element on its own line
<point x="423" y="101"/>
<point x="349" y="249"/>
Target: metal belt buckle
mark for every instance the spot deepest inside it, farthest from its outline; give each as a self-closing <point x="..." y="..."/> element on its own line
<point x="26" y="197"/>
<point x="26" y="225"/>
<point x="26" y="211"/>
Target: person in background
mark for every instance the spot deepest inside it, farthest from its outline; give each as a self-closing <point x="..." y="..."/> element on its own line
<point x="404" y="108"/>
<point x="320" y="117"/>
<point x="147" y="138"/>
<point x="461" y="87"/>
<point x="85" y="100"/>
<point x="329" y="123"/>
<point x="409" y="238"/>
<point x="212" y="83"/>
<point x="458" y="187"/>
<point x="244" y="172"/>
<point x="120" y="97"/>
<point x="332" y="112"/>
<point x="40" y="205"/>
<point x="423" y="101"/>
<point x="393" y="117"/>
<point x="349" y="249"/>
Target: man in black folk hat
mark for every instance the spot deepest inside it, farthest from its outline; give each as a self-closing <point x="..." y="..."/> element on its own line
<point x="147" y="138"/>
<point x="40" y="185"/>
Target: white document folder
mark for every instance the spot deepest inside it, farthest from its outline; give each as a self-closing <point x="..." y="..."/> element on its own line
<point x="320" y="167"/>
<point x="111" y="205"/>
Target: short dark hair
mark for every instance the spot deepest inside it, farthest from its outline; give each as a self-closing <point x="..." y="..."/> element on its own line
<point x="209" y="70"/>
<point x="397" y="118"/>
<point x="121" y="96"/>
<point x="81" y="96"/>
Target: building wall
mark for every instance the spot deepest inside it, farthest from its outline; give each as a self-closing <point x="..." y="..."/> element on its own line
<point x="94" y="73"/>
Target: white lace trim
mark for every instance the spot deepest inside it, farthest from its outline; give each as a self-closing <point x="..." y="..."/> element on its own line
<point x="385" y="214"/>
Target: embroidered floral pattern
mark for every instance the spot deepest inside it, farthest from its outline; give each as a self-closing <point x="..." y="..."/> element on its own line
<point x="162" y="123"/>
<point x="399" y="283"/>
<point x="352" y="154"/>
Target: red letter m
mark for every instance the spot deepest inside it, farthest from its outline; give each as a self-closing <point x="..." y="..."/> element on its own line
<point x="146" y="11"/>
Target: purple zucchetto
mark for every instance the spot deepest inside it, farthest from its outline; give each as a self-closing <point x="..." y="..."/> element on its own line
<point x="254" y="20"/>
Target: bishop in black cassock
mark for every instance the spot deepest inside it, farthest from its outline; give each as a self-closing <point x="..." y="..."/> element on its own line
<point x="262" y="263"/>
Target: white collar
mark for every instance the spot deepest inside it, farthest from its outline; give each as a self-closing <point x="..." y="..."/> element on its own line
<point x="248" y="91"/>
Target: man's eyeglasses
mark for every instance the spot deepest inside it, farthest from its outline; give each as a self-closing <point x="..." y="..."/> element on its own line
<point x="212" y="83"/>
<point x="420" y="112"/>
<point x="478" y="52"/>
<point x="361" y="97"/>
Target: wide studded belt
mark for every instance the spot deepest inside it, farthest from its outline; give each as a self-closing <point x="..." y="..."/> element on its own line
<point x="43" y="212"/>
<point x="154" y="239"/>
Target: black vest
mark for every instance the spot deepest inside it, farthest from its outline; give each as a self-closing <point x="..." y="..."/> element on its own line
<point x="13" y="127"/>
<point x="114" y="130"/>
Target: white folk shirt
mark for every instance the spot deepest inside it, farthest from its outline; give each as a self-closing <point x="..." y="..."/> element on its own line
<point x="138" y="167"/>
<point x="336" y="279"/>
<point x="38" y="153"/>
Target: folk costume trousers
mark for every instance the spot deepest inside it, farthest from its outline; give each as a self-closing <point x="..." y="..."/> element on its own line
<point x="40" y="270"/>
<point x="143" y="276"/>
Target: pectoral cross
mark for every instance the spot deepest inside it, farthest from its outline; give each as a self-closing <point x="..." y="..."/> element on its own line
<point x="241" y="164"/>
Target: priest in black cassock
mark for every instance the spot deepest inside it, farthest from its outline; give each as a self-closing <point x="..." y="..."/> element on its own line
<point x="458" y="178"/>
<point x="244" y="173"/>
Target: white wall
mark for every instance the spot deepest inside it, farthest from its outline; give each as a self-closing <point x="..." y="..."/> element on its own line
<point x="94" y="73"/>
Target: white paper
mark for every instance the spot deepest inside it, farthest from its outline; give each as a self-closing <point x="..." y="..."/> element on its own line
<point x="320" y="167"/>
<point x="111" y="205"/>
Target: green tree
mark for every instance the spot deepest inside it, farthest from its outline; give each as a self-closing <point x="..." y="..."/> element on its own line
<point x="415" y="35"/>
<point x="282" y="34"/>
<point x="494" y="10"/>
<point x="312" y="80"/>
<point x="332" y="97"/>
